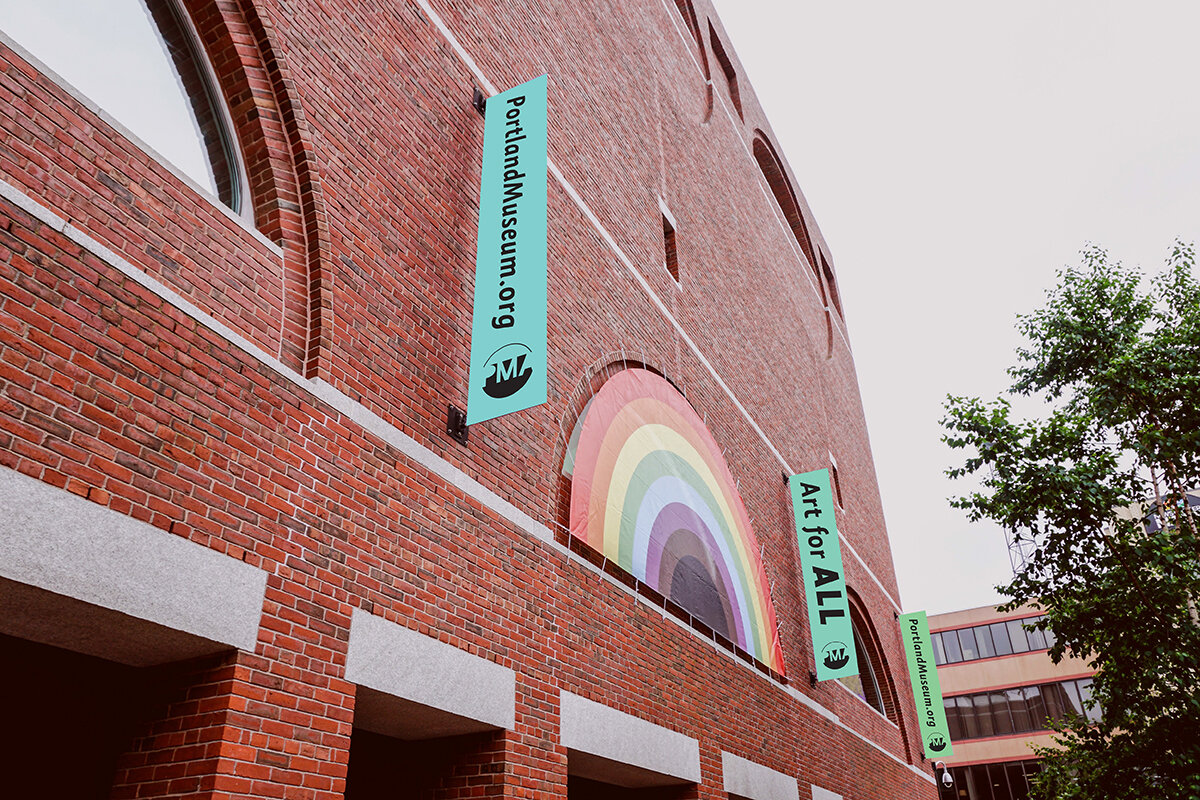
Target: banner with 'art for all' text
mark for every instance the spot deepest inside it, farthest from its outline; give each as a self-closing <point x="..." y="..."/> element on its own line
<point x="824" y="577"/>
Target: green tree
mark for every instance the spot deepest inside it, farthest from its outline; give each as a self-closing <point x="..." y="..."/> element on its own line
<point x="1116" y="358"/>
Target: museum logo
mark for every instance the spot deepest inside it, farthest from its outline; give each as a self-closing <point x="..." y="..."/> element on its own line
<point x="506" y="371"/>
<point x="835" y="655"/>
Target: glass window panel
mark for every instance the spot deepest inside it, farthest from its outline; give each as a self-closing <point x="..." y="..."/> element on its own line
<point x="966" y="710"/>
<point x="999" y="778"/>
<point x="1073" y="700"/>
<point x="1085" y="693"/>
<point x="1000" y="638"/>
<point x="983" y="640"/>
<point x="1055" y="695"/>
<point x="939" y="652"/>
<point x="1001" y="718"/>
<point x="1037" y="707"/>
<point x="1016" y="636"/>
<point x="953" y="719"/>
<point x="1019" y="710"/>
<point x="966" y="642"/>
<point x="950" y="642"/>
<point x="983" y="712"/>
<point x="1037" y="640"/>
<point x="960" y="782"/>
<point x="1051" y="639"/>
<point x="137" y="61"/>
<point x="1016" y="780"/>
<point x="980" y="786"/>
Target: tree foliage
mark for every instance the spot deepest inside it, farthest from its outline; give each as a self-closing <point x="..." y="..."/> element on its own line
<point x="1116" y="358"/>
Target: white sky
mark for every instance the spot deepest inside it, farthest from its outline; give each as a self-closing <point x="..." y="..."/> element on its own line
<point x="955" y="155"/>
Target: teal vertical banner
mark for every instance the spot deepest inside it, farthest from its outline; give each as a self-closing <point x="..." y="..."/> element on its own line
<point x="927" y="691"/>
<point x="824" y="578"/>
<point x="508" y="329"/>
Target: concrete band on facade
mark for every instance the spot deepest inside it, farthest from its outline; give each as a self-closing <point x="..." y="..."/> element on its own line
<point x="608" y="745"/>
<point x="756" y="782"/>
<point x="824" y="794"/>
<point x="80" y="576"/>
<point x="420" y="688"/>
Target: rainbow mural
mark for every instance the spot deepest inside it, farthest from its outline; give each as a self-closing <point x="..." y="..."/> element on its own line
<point x="651" y="491"/>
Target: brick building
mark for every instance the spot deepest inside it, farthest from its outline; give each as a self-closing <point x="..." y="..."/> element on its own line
<point x="241" y="557"/>
<point x="1000" y="689"/>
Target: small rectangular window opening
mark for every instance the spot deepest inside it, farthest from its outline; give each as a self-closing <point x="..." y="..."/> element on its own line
<point x="731" y="78"/>
<point x="672" y="255"/>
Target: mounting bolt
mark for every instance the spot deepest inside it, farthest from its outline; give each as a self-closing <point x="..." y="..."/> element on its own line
<point x="479" y="100"/>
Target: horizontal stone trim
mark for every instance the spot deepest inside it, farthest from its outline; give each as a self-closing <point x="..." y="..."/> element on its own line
<point x="58" y="542"/>
<point x="592" y="728"/>
<point x="754" y="781"/>
<point x="396" y="661"/>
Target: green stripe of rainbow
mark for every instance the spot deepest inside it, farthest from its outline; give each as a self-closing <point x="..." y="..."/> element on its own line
<point x="642" y="446"/>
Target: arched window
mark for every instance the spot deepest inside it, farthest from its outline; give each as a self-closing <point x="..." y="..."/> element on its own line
<point x="140" y="62"/>
<point x="872" y="682"/>
<point x="866" y="683"/>
<point x="650" y="492"/>
<point x="785" y="196"/>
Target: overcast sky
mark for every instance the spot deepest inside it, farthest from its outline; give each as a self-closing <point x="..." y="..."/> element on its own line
<point x="955" y="155"/>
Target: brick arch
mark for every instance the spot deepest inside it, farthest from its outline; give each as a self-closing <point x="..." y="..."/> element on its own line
<point x="785" y="196"/>
<point x="688" y="12"/>
<point x="861" y="620"/>
<point x="278" y="155"/>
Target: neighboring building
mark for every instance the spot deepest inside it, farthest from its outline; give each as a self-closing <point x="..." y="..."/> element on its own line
<point x="1000" y="687"/>
<point x="244" y="553"/>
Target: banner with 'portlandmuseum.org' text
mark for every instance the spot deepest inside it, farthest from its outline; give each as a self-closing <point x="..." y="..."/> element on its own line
<point x="508" y="331"/>
<point x="927" y="691"/>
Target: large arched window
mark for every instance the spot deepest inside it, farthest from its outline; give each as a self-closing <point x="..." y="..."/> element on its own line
<point x="866" y="683"/>
<point x="872" y="682"/>
<point x="140" y="62"/>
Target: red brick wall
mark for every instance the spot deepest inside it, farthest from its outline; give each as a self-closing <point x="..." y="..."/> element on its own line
<point x="363" y="152"/>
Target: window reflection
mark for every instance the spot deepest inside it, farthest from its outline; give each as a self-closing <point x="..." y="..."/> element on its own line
<point x="988" y="641"/>
<point x="1021" y="709"/>
<point x="139" y="62"/>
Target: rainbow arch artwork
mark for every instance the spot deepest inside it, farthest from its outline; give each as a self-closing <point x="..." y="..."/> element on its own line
<point x="651" y="490"/>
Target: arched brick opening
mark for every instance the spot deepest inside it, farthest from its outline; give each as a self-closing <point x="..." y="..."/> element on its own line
<point x="278" y="156"/>
<point x="869" y="637"/>
<point x="785" y="196"/>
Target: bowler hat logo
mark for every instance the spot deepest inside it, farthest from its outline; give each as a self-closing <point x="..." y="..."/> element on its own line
<point x="835" y="655"/>
<point x="936" y="742"/>
<point x="506" y="371"/>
